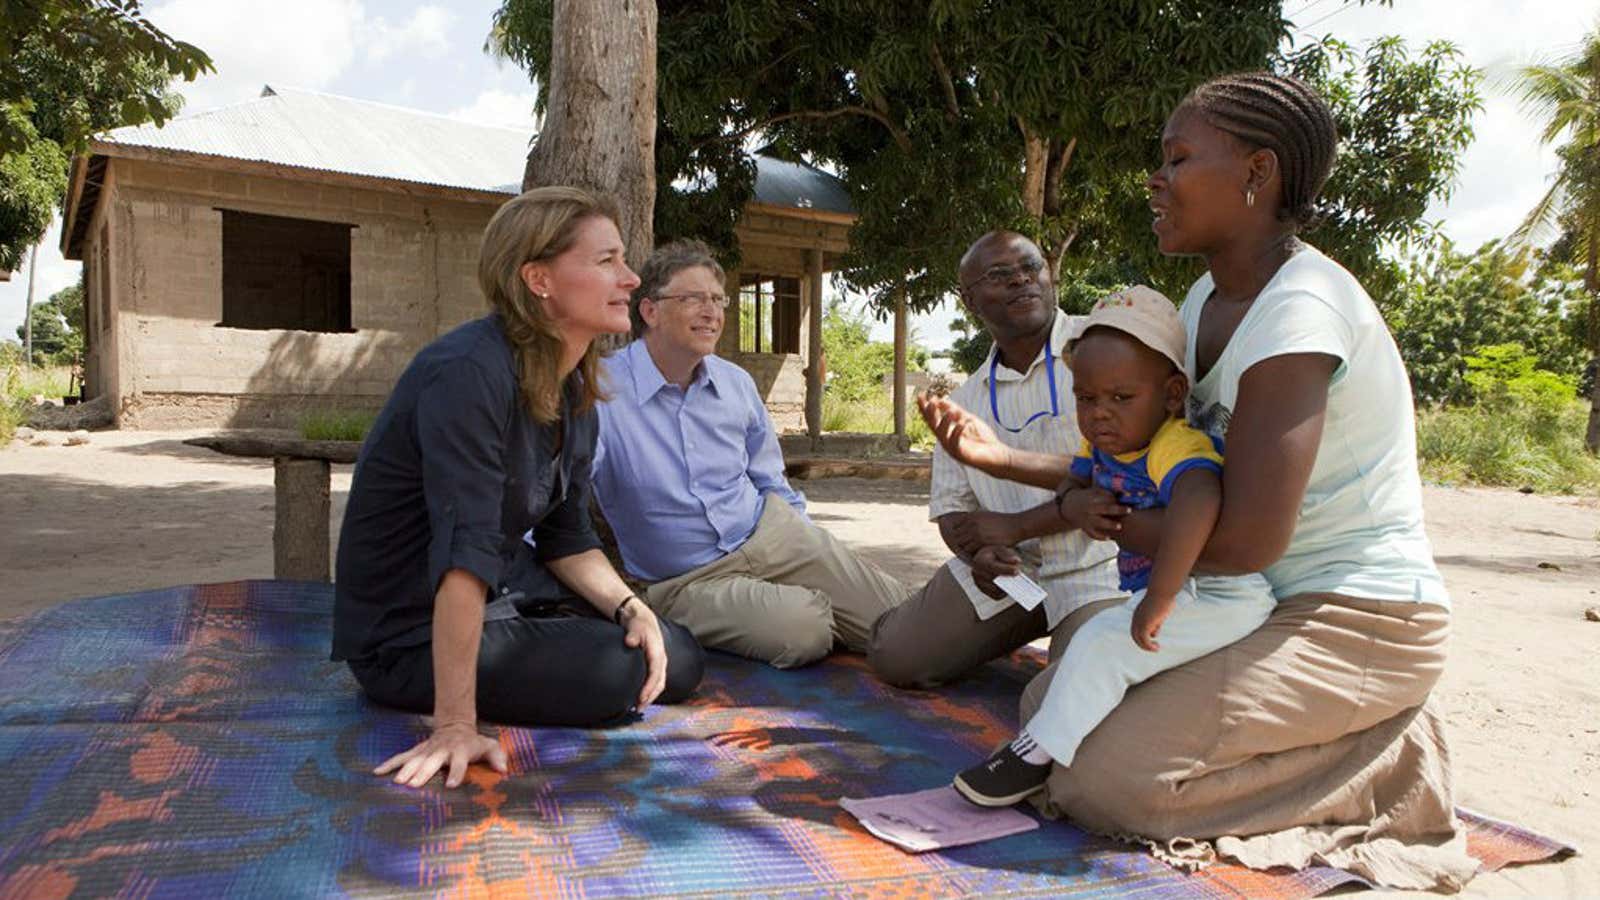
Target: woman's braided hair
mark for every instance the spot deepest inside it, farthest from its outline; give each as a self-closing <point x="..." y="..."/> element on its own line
<point x="1282" y="114"/>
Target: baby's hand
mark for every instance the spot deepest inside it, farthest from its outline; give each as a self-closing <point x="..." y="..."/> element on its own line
<point x="1147" y="619"/>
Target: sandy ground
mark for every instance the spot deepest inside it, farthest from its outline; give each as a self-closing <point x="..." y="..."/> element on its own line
<point x="137" y="510"/>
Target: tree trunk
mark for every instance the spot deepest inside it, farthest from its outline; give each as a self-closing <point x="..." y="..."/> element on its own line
<point x="27" y="311"/>
<point x="1591" y="281"/>
<point x="1056" y="162"/>
<point x="600" y="128"/>
<point x="900" y="342"/>
<point x="814" y="364"/>
<point x="1592" y="437"/>
<point x="1035" y="161"/>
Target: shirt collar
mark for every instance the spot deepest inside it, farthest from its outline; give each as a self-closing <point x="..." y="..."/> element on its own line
<point x="647" y="378"/>
<point x="1062" y="331"/>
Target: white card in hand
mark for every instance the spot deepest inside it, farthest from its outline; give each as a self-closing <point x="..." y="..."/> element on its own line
<point x="1020" y="588"/>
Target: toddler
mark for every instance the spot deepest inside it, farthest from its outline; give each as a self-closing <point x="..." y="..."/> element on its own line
<point x="1128" y="379"/>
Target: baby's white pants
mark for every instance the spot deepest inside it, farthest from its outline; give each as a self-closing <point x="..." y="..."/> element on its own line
<point x="1101" y="662"/>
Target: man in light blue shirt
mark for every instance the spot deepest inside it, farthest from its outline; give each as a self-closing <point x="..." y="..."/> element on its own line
<point x="690" y="478"/>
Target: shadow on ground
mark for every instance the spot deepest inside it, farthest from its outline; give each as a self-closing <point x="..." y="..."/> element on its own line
<point x="76" y="537"/>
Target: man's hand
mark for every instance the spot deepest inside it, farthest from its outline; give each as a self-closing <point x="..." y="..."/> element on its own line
<point x="642" y="629"/>
<point x="1147" y="619"/>
<point x="968" y="439"/>
<point x="1094" y="511"/>
<point x="976" y="530"/>
<point x="989" y="562"/>
<point x="453" y="744"/>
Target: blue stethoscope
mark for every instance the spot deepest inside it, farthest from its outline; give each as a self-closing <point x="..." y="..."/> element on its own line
<point x="1049" y="372"/>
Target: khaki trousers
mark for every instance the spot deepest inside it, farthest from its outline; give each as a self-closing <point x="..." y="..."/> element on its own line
<point x="937" y="637"/>
<point x="784" y="597"/>
<point x="1309" y="741"/>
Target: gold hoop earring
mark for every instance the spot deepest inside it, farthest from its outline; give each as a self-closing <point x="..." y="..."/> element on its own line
<point x="1249" y="198"/>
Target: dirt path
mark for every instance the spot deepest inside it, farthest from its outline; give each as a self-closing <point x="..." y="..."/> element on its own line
<point x="136" y="510"/>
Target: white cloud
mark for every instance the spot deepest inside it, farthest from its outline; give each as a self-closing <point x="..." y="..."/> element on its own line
<point x="303" y="43"/>
<point x="424" y="34"/>
<point x="506" y="109"/>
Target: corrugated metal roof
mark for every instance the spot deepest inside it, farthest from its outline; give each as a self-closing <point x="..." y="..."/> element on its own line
<point x="293" y="127"/>
<point x="338" y="134"/>
<point x="783" y="183"/>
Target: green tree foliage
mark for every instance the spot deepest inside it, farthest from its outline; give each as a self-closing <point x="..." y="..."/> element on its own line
<point x="74" y="68"/>
<point x="1449" y="304"/>
<point x="944" y="118"/>
<point x="49" y="332"/>
<point x="950" y="117"/>
<point x="1506" y="375"/>
<point x="1404" y="121"/>
<point x="58" y="327"/>
<point x="32" y="181"/>
<point x="1565" y="94"/>
<point x="858" y="367"/>
<point x="79" y="66"/>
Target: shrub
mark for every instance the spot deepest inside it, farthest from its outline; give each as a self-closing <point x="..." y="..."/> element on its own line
<point x="1524" y="428"/>
<point x="857" y="366"/>
<point x="874" y="416"/>
<point x="18" y="387"/>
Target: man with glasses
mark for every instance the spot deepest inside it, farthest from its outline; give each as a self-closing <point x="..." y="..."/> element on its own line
<point x="690" y="478"/>
<point x="961" y="619"/>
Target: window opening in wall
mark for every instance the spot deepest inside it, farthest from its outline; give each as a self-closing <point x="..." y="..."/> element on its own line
<point x="769" y="314"/>
<point x="279" y="272"/>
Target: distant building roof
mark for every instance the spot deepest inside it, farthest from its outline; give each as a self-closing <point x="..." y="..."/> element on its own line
<point x="783" y="183"/>
<point x="311" y="130"/>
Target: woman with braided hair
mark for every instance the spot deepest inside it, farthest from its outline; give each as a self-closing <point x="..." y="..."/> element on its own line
<point x="1311" y="740"/>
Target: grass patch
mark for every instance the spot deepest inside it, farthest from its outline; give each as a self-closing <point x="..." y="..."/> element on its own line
<point x="18" y="387"/>
<point x="1508" y="447"/>
<point x="874" y="416"/>
<point x="337" y="425"/>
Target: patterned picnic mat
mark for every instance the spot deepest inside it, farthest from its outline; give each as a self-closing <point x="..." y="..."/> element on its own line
<point x="196" y="742"/>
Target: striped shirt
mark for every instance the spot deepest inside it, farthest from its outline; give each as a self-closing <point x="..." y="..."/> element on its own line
<point x="1072" y="569"/>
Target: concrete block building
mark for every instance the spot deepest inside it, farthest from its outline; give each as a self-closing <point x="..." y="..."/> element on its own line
<point x="250" y="264"/>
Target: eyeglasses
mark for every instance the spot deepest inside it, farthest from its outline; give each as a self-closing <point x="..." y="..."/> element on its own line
<point x="697" y="298"/>
<point x="997" y="276"/>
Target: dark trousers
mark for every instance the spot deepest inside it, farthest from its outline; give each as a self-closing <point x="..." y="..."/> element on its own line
<point x="549" y="664"/>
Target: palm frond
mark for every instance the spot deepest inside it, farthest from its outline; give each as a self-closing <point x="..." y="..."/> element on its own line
<point x="1543" y="220"/>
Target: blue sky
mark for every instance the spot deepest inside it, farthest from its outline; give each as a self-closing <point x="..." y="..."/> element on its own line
<point x="429" y="56"/>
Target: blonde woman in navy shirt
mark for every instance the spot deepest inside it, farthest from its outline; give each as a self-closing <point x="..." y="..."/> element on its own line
<point x="441" y="605"/>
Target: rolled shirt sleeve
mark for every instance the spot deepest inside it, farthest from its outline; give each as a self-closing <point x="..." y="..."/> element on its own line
<point x="462" y="421"/>
<point x="950" y="490"/>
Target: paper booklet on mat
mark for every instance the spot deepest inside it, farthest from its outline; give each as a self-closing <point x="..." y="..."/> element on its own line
<point x="934" y="819"/>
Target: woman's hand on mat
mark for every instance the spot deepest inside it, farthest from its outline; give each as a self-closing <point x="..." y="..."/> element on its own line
<point x="1094" y="511"/>
<point x="1147" y="619"/>
<point x="975" y="530"/>
<point x="990" y="562"/>
<point x="967" y="438"/>
<point x="453" y="744"/>
<point x="642" y="629"/>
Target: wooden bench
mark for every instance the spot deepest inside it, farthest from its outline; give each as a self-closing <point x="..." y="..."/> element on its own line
<point x="301" y="478"/>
